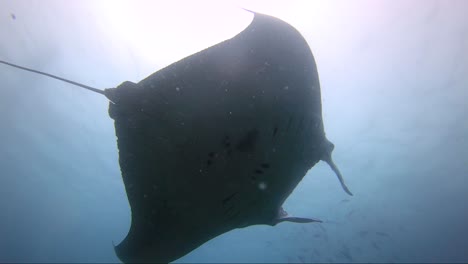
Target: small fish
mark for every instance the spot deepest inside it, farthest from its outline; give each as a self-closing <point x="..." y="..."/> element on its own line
<point x="383" y="234"/>
<point x="350" y="213"/>
<point x="363" y="233"/>
<point x="13" y="16"/>
<point x="359" y="250"/>
<point x="375" y="245"/>
<point x="347" y="255"/>
<point x="323" y="228"/>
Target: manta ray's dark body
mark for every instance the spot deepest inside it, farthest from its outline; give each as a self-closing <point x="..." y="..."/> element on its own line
<point x="218" y="140"/>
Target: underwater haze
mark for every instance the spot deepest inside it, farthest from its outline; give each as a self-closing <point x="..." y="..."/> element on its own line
<point x="394" y="80"/>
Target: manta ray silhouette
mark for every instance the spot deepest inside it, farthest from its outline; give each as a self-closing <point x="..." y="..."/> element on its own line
<point x="217" y="140"/>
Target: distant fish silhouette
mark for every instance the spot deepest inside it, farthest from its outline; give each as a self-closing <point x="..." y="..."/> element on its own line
<point x="382" y="234"/>
<point x="375" y="245"/>
<point x="218" y="140"/>
<point x="363" y="233"/>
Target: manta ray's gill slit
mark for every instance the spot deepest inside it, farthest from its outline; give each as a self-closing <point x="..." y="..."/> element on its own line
<point x="229" y="197"/>
<point x="275" y="130"/>
<point x="289" y="123"/>
<point x="300" y="126"/>
<point x="302" y="150"/>
<point x="230" y="207"/>
<point x="233" y="215"/>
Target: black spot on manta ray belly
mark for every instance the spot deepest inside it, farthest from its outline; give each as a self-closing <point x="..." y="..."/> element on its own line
<point x="247" y="142"/>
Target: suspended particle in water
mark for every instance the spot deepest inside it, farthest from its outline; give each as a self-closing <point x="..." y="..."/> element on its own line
<point x="262" y="185"/>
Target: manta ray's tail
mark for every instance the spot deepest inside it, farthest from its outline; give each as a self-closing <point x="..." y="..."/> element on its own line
<point x="53" y="76"/>
<point x="327" y="157"/>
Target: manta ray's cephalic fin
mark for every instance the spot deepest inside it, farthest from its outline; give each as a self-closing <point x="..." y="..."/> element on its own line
<point x="327" y="157"/>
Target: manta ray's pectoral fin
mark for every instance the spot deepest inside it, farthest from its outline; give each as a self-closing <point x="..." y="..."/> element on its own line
<point x="283" y="216"/>
<point x="327" y="157"/>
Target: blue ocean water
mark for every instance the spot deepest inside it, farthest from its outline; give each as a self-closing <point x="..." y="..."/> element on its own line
<point x="394" y="77"/>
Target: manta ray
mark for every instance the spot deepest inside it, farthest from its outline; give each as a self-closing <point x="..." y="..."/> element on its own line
<point x="218" y="140"/>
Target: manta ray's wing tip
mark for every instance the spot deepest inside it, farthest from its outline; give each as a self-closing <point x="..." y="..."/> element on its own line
<point x="248" y="10"/>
